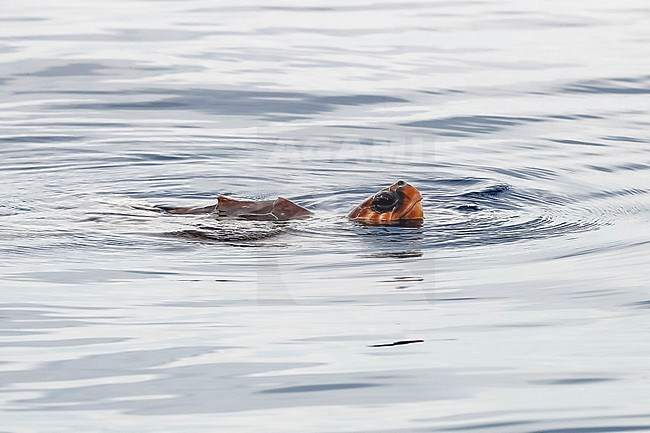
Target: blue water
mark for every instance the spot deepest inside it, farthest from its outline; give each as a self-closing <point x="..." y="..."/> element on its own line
<point x="525" y="294"/>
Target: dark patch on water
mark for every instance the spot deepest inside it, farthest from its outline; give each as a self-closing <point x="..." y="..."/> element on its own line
<point x="394" y="255"/>
<point x="22" y="333"/>
<point x="578" y="142"/>
<point x="69" y="70"/>
<point x="21" y="19"/>
<point x="403" y="279"/>
<point x="488" y="192"/>
<point x="642" y="304"/>
<point x="489" y="425"/>
<point x="442" y="92"/>
<point x="63" y="343"/>
<point x="574" y="381"/>
<point x="464" y="181"/>
<point x="144" y="105"/>
<point x="607" y="429"/>
<point x="466" y="298"/>
<point x="468" y="208"/>
<point x="623" y="138"/>
<point x="239" y="102"/>
<point x="615" y="86"/>
<point x="574" y="116"/>
<point x="40" y="139"/>
<point x="397" y="343"/>
<point x="318" y="388"/>
<point x="236" y="234"/>
<point x="96" y="124"/>
<point x="479" y="124"/>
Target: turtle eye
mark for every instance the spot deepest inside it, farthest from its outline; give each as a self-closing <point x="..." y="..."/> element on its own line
<point x="384" y="201"/>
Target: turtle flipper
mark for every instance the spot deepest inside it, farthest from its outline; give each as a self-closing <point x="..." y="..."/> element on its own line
<point x="284" y="209"/>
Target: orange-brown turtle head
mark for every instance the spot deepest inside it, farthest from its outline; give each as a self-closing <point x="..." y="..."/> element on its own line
<point x="400" y="203"/>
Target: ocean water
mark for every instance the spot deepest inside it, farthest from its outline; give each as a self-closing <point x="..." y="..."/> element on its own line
<point x="523" y="297"/>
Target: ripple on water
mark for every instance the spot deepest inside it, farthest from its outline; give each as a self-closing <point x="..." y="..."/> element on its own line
<point x="462" y="126"/>
<point x="460" y="212"/>
<point x="618" y="86"/>
<point x="263" y="104"/>
<point x="517" y="123"/>
<point x="455" y="217"/>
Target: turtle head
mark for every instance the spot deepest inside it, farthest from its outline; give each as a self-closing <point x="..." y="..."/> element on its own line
<point x="398" y="203"/>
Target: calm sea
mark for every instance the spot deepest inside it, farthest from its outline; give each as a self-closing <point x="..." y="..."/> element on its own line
<point x="525" y="124"/>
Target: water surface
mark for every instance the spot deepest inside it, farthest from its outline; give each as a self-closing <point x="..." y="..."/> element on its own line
<point x="524" y="295"/>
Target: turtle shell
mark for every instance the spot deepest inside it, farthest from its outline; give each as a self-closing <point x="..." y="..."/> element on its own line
<point x="280" y="209"/>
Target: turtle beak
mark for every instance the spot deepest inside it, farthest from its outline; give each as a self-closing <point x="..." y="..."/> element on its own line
<point x="412" y="202"/>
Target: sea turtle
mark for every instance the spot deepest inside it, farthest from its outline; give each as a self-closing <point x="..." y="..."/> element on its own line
<point x="400" y="203"/>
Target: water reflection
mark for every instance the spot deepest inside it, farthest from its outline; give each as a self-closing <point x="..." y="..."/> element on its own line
<point x="524" y="288"/>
